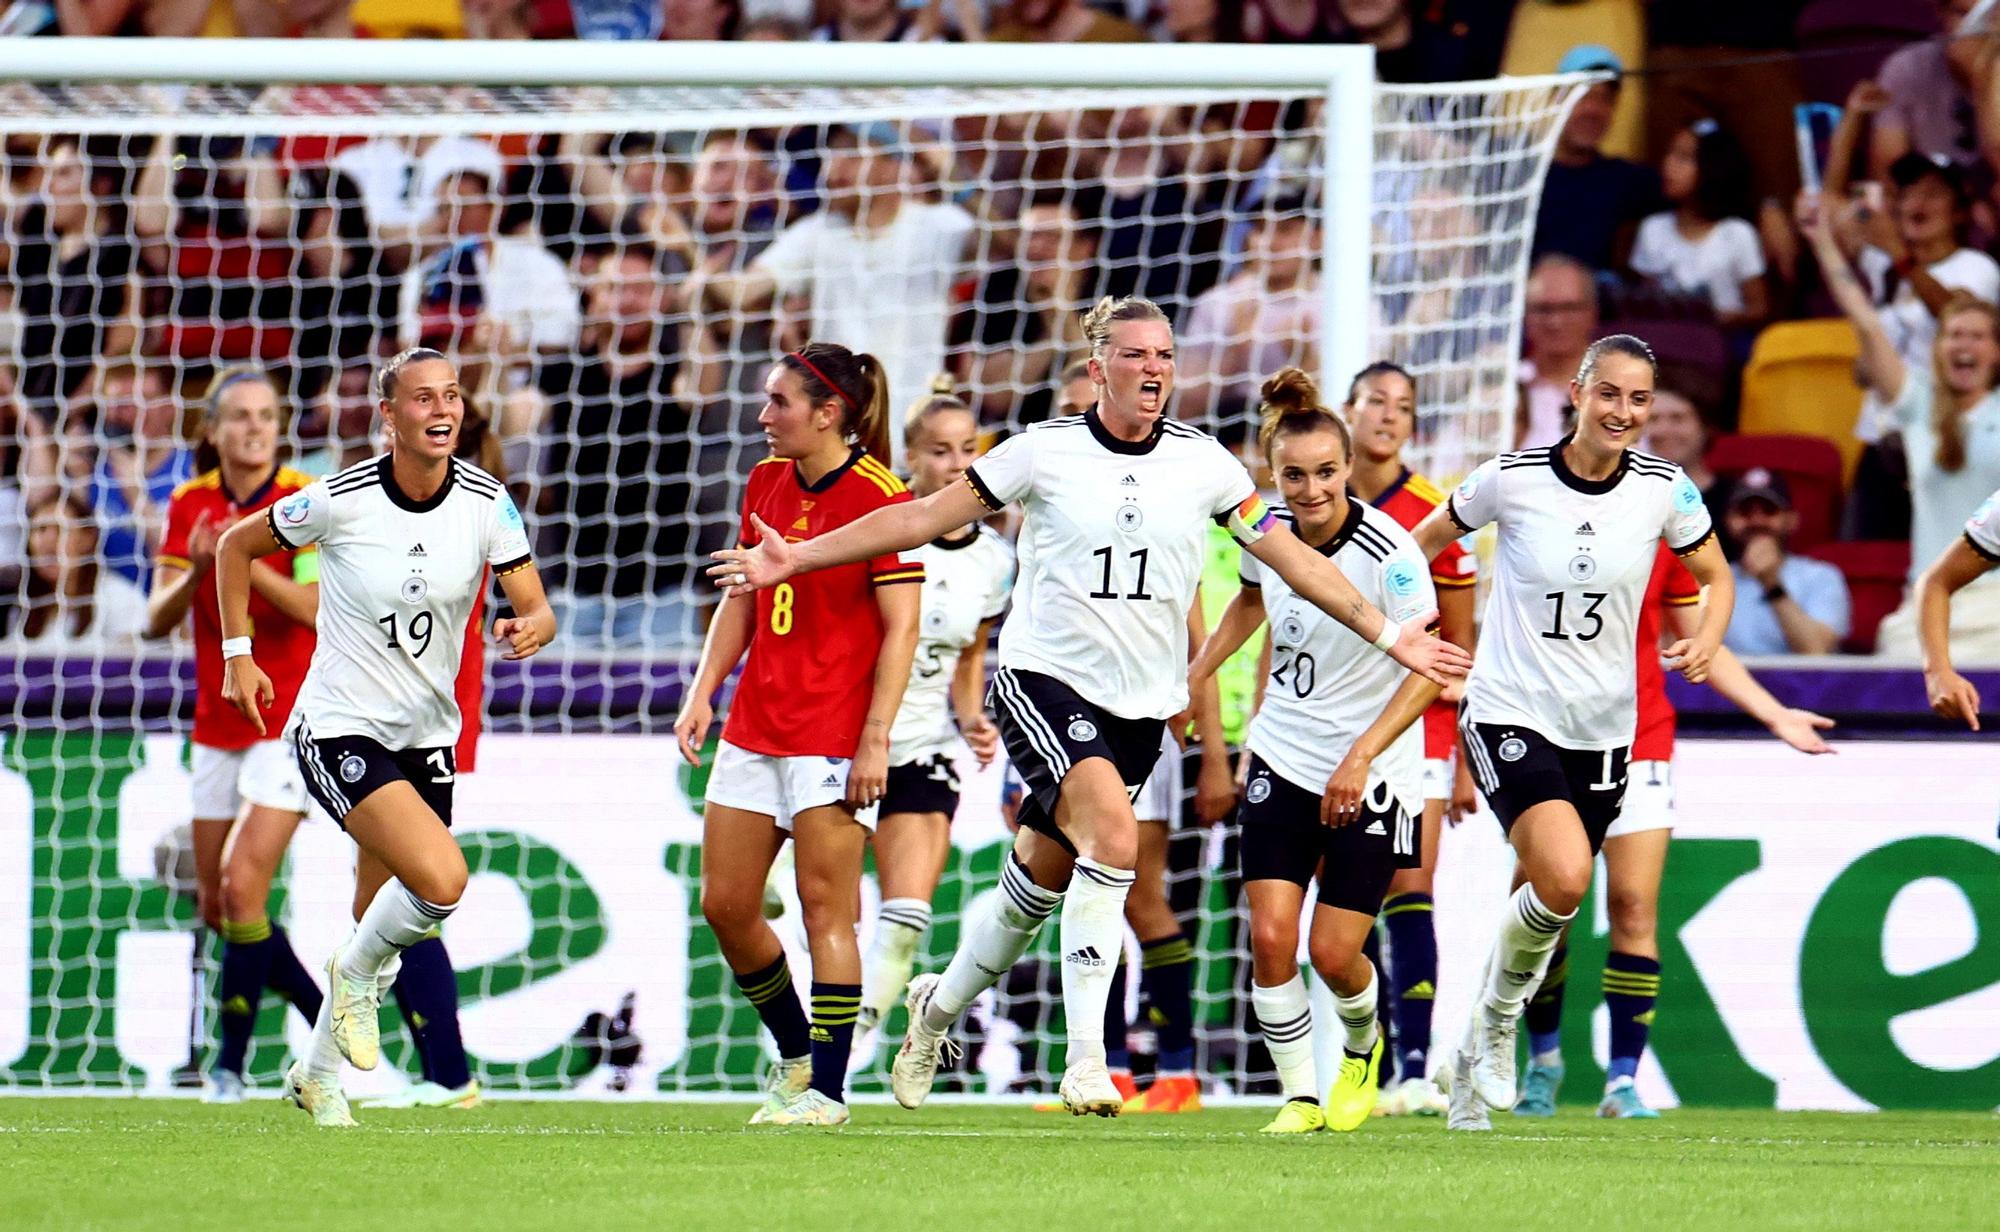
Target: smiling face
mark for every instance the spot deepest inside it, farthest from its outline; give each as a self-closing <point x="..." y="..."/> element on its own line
<point x="1968" y="352"/>
<point x="1382" y="415"/>
<point x="1135" y="375"/>
<point x="793" y="426"/>
<point x="1927" y="212"/>
<point x="1311" y="469"/>
<point x="424" y="416"/>
<point x="244" y="428"/>
<point x="1612" y="403"/>
<point x="944" y="447"/>
<point x="1674" y="429"/>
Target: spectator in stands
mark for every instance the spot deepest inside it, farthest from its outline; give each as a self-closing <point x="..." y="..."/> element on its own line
<point x="127" y="424"/>
<point x="1286" y="22"/>
<point x="487" y="294"/>
<point x="1727" y="59"/>
<point x="1592" y="202"/>
<point x="1562" y="320"/>
<point x="1929" y="100"/>
<point x="25" y="448"/>
<point x="1009" y="345"/>
<point x="1948" y="411"/>
<point x="1263" y="319"/>
<point x="875" y="267"/>
<point x="152" y="18"/>
<point x="1063" y="21"/>
<point x="732" y="220"/>
<point x="339" y="423"/>
<point x="73" y="272"/>
<point x="1187" y="21"/>
<point x="709" y="20"/>
<point x="1704" y="246"/>
<point x="1785" y="604"/>
<point x="401" y="179"/>
<point x="618" y="477"/>
<point x="67" y="596"/>
<point x="1126" y="186"/>
<point x="345" y="296"/>
<point x="879" y="21"/>
<point x="1229" y="146"/>
<point x="1677" y="431"/>
<point x="1406" y="49"/>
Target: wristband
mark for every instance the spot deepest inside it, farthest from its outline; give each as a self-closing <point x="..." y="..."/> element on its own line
<point x="235" y="648"/>
<point x="1386" y="639"/>
<point x="1774" y="593"/>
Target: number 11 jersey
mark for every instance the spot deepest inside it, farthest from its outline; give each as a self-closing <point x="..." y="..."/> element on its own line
<point x="1557" y="648"/>
<point x="397" y="581"/>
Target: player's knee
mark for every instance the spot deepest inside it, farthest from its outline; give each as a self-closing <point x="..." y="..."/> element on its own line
<point x="443" y="882"/>
<point x="1112" y="841"/>
<point x="1274" y="944"/>
<point x="1339" y="963"/>
<point x="825" y="906"/>
<point x="1634" y="921"/>
<point x="1562" y="886"/>
<point x="242" y="896"/>
<point x="1410" y="881"/>
<point x="730" y="911"/>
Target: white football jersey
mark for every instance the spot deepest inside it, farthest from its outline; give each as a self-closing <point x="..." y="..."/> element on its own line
<point x="1111" y="549"/>
<point x="397" y="579"/>
<point x="1982" y="529"/>
<point x="966" y="583"/>
<point x="1570" y="571"/>
<point x="1327" y="686"/>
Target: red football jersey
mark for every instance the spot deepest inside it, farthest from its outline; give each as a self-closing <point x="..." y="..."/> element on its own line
<point x="810" y="674"/>
<point x="1670" y="586"/>
<point x="471" y="684"/>
<point x="284" y="647"/>
<point x="1410" y="500"/>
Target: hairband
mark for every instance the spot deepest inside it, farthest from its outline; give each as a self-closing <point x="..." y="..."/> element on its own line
<point x="244" y="374"/>
<point x="826" y="380"/>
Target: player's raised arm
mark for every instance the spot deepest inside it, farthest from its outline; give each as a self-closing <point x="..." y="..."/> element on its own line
<point x="1322" y="583"/>
<point x="896" y="528"/>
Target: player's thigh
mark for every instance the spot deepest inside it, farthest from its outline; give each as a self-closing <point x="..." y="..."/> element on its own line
<point x="1554" y="853"/>
<point x="910" y="853"/>
<point x="1094" y="811"/>
<point x="829" y="845"/>
<point x="1634" y="866"/>
<point x="1080" y="765"/>
<point x="256" y="848"/>
<point x="1275" y="907"/>
<point x="396" y="826"/>
<point x="737" y="848"/>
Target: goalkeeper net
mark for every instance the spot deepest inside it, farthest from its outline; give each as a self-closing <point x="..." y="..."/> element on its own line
<point x="614" y="268"/>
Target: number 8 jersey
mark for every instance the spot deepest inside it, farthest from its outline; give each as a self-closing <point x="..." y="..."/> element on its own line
<point x="1556" y="649"/>
<point x="397" y="581"/>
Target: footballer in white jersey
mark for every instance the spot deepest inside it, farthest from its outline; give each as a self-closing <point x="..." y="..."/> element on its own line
<point x="1970" y="557"/>
<point x="966" y="583"/>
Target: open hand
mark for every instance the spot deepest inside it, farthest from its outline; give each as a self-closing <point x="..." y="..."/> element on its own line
<point x="1434" y="659"/>
<point x="738" y="571"/>
<point x="1801" y="729"/>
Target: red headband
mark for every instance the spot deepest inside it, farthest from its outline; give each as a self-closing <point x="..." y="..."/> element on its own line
<point x="827" y="381"/>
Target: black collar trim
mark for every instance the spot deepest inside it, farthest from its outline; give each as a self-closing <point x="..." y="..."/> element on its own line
<point x="831" y="477"/>
<point x="257" y="494"/>
<point x="385" y="467"/>
<point x="1589" y="487"/>
<point x="943" y="544"/>
<point x="1348" y="526"/>
<point x="1387" y="494"/>
<point x="1118" y="445"/>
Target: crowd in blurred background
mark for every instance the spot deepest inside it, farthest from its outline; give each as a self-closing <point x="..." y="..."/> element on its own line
<point x="616" y="298"/>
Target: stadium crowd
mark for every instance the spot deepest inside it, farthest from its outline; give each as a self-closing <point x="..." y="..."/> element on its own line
<point x="616" y="298"/>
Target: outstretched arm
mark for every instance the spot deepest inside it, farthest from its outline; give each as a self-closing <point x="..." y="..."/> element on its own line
<point x="1951" y="695"/>
<point x="1726" y="675"/>
<point x="895" y="528"/>
<point x="1322" y="584"/>
<point x="1239" y="620"/>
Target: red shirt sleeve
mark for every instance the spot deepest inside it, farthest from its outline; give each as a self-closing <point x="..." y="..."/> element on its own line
<point x="1455" y="566"/>
<point x="180" y="521"/>
<point x="1681" y="589"/>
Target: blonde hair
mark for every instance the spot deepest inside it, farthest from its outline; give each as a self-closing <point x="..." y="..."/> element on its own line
<point x="1098" y="321"/>
<point x="1946" y="422"/>
<point x="1291" y="406"/>
<point x="939" y="400"/>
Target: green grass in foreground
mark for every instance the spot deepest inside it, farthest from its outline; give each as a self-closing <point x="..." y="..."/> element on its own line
<point x="98" y="1163"/>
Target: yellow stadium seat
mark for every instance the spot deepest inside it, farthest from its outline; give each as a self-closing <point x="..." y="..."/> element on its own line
<point x="410" y="18"/>
<point x="1800" y="381"/>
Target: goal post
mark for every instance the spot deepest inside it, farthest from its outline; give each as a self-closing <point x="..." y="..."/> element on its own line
<point x="314" y="206"/>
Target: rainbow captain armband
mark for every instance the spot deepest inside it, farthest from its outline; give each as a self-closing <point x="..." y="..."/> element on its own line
<point x="1249" y="521"/>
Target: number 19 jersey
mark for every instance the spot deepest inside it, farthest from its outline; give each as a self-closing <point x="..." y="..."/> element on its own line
<point x="1570" y="573"/>
<point x="397" y="581"/>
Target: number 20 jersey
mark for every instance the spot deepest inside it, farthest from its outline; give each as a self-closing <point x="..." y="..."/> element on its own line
<point x="1557" y="650"/>
<point x="397" y="582"/>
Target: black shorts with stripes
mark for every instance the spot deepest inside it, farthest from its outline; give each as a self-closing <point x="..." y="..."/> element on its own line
<point x="1517" y="767"/>
<point x="1047" y="729"/>
<point x="926" y="785"/>
<point x="1284" y="840"/>
<point x="342" y="771"/>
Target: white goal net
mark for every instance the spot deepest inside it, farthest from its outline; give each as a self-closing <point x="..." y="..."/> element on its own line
<point x="614" y="267"/>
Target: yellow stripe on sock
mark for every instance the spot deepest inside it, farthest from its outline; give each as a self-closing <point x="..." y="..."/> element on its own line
<point x="1398" y="908"/>
<point x="769" y="988"/>
<point x="246" y="932"/>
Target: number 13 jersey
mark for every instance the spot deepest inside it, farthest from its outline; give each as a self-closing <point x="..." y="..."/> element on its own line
<point x="397" y="581"/>
<point x="1556" y="650"/>
<point x="1112" y="546"/>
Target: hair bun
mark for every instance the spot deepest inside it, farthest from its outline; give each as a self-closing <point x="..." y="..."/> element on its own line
<point x="1290" y="391"/>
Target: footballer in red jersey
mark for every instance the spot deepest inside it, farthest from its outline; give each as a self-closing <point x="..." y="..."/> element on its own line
<point x="238" y="773"/>
<point x="805" y="751"/>
<point x="1382" y="414"/>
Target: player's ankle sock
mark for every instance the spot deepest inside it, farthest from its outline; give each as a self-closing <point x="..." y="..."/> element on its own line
<point x="1285" y="1014"/>
<point x="1528" y="935"/>
<point x="289" y="978"/>
<point x="885" y="969"/>
<point x="323" y="1057"/>
<point x="1631" y="989"/>
<point x="770" y="990"/>
<point x="835" y="1008"/>
<point x="427" y="990"/>
<point x="1413" y="960"/>
<point x="394" y="921"/>
<point x="1093" y="931"/>
<point x="1357" y="1016"/>
<point x="993" y="943"/>
<point x="1117" y="1027"/>
<point x="1166" y="979"/>
<point x="1544" y="1014"/>
<point x="246" y="964"/>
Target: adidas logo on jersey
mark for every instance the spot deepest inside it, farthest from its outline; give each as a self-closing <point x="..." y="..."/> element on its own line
<point x="1585" y="529"/>
<point x="1128" y="482"/>
<point x="1375" y="827"/>
<point x="417" y="550"/>
<point x="1085" y="957"/>
<point x="830" y="781"/>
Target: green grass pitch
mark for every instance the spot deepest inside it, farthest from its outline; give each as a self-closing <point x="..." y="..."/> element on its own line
<point x="75" y="1164"/>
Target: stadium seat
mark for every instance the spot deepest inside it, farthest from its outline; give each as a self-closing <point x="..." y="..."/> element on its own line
<point x="1800" y="381"/>
<point x="1876" y="570"/>
<point x="1810" y="466"/>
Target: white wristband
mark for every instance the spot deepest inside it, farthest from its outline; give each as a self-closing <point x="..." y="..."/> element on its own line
<point x="235" y="648"/>
<point x="1384" y="641"/>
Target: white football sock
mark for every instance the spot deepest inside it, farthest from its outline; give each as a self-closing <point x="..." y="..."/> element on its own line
<point x="885" y="972"/>
<point x="395" y="920"/>
<point x="323" y="1055"/>
<point x="992" y="944"/>
<point x="1357" y="1015"/>
<point x="1528" y="935"/>
<point x="1285" y="1013"/>
<point x="1093" y="939"/>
